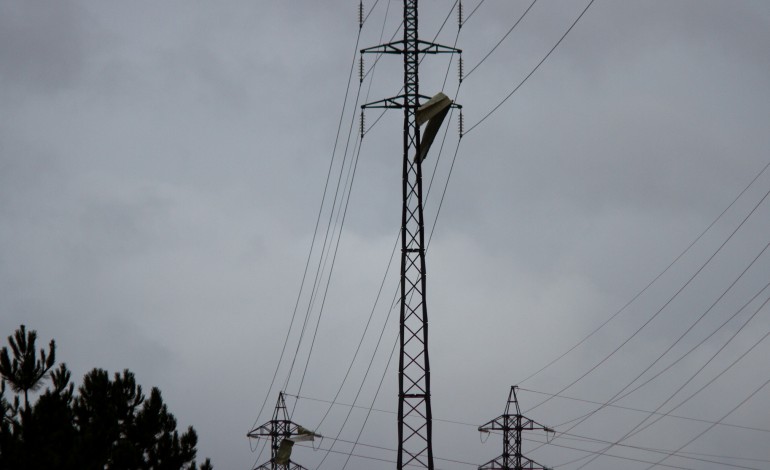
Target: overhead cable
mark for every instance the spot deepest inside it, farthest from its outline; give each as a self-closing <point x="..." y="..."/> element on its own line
<point x="647" y="322"/>
<point x="659" y="462"/>
<point x="533" y="70"/>
<point x="315" y="230"/>
<point x="653" y="281"/>
<point x="502" y="39"/>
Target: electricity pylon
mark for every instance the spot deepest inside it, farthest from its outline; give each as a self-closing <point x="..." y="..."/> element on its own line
<point x="282" y="433"/>
<point x="415" y="429"/>
<point x="512" y="423"/>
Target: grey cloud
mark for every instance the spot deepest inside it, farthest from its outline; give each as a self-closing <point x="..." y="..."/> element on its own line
<point x="161" y="167"/>
<point x="42" y="44"/>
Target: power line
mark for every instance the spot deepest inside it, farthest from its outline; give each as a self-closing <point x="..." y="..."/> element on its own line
<point x="540" y="392"/>
<point x="757" y="343"/>
<point x="715" y="423"/>
<point x="671" y="346"/>
<point x="683" y="455"/>
<point x="638" y="294"/>
<point x="360" y="388"/>
<point x="615" y="456"/>
<point x="712" y="426"/>
<point x="533" y="70"/>
<point x="582" y="419"/>
<point x="472" y="12"/>
<point x="315" y="230"/>
<point x="379" y="410"/>
<point x="639" y="410"/>
<point x="359" y="140"/>
<point x="376" y="394"/>
<point x="647" y="322"/>
<point x="686" y="354"/>
<point x="502" y="39"/>
<point x="394" y="450"/>
<point x="321" y="262"/>
<point x="334" y="257"/>
<point x="635" y="431"/>
<point x="579" y="437"/>
<point x="451" y="9"/>
<point x="350" y="454"/>
<point x="370" y="11"/>
<point x="371" y="314"/>
<point x="319" y="273"/>
<point x="636" y="428"/>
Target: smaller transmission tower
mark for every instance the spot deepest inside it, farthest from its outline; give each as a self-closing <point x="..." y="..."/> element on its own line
<point x="283" y="433"/>
<point x="512" y="423"/>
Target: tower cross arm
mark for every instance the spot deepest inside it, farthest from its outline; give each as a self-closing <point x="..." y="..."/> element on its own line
<point x="266" y="430"/>
<point x="423" y="47"/>
<point x="498" y="463"/>
<point x="397" y="102"/>
<point x="283" y="428"/>
<point x="529" y="464"/>
<point x="497" y="424"/>
<point x="426" y="47"/>
<point x="394" y="102"/>
<point x="532" y="425"/>
<point x="270" y="465"/>
<point x="395" y="47"/>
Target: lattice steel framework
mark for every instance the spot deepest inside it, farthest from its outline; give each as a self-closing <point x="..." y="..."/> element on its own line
<point x="512" y="423"/>
<point x="414" y="411"/>
<point x="277" y="429"/>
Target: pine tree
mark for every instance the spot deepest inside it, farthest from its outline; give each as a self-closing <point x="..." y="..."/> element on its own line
<point x="108" y="424"/>
<point x="24" y="372"/>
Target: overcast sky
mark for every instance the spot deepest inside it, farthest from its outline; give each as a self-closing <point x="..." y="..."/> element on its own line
<point x="162" y="165"/>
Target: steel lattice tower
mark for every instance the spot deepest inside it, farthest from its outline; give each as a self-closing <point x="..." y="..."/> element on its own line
<point x="414" y="411"/>
<point x="512" y="423"/>
<point x="278" y="429"/>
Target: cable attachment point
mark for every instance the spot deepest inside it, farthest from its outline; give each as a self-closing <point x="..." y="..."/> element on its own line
<point x="363" y="125"/>
<point x="460" y="68"/>
<point x="461" y="124"/>
<point x="360" y="14"/>
<point x="460" y="14"/>
<point x="361" y="69"/>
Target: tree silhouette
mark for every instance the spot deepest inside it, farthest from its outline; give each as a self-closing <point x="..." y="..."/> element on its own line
<point x="25" y="372"/>
<point x="107" y="424"/>
<point x="8" y="414"/>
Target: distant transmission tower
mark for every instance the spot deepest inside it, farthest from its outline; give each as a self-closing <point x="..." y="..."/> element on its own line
<point x="283" y="433"/>
<point x="512" y="423"/>
<point x="414" y="411"/>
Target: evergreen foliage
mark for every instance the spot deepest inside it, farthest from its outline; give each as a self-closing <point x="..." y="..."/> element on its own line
<point x="108" y="424"/>
<point x="25" y="372"/>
